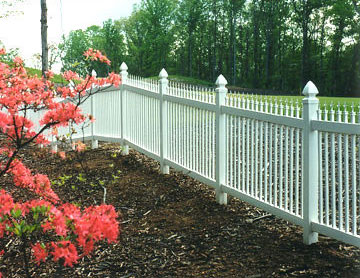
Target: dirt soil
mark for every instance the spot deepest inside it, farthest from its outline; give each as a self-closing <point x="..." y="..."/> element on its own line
<point x="171" y="226"/>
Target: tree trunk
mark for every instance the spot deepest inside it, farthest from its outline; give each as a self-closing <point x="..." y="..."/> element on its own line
<point x="246" y="62"/>
<point x="256" y="50"/>
<point x="305" y="53"/>
<point x="214" y="41"/>
<point x="336" y="57"/>
<point x="221" y="51"/>
<point x="190" y="44"/>
<point x="240" y="57"/>
<point x="354" y="80"/>
<point x="229" y="64"/>
<point x="322" y="45"/>
<point x="233" y="45"/>
<point x="280" y="63"/>
<point x="234" y="55"/>
<point x="44" y="44"/>
<point x="269" y="46"/>
<point x="307" y="8"/>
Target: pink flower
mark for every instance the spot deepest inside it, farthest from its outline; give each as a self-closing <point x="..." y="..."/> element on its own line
<point x="39" y="252"/>
<point x="66" y="250"/>
<point x="96" y="55"/>
<point x="49" y="74"/>
<point x="6" y="203"/>
<point x="70" y="75"/>
<point x="18" y="61"/>
<point x="21" y="95"/>
<point x="79" y="146"/>
<point x="114" y="79"/>
<point x="62" y="155"/>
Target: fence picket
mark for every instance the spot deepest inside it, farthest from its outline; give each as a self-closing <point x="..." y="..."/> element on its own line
<point x="340" y="174"/>
<point x="353" y="173"/>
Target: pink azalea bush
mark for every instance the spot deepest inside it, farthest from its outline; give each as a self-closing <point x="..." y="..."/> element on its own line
<point x="50" y="228"/>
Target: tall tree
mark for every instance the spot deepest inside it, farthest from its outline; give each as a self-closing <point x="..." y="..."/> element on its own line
<point x="150" y="31"/>
<point x="263" y="44"/>
<point x="235" y="7"/>
<point x="256" y="46"/>
<point x="354" y="77"/>
<point x="72" y="49"/>
<point x="108" y="39"/>
<point x="114" y="47"/>
<point x="44" y="43"/>
<point x="190" y="14"/>
<point x="135" y="30"/>
<point x="303" y="10"/>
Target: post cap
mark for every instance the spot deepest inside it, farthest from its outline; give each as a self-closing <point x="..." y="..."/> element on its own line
<point x="221" y="81"/>
<point x="123" y="67"/>
<point x="310" y="90"/>
<point x="163" y="74"/>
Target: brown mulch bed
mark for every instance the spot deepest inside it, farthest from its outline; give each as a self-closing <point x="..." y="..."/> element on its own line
<point x="171" y="226"/>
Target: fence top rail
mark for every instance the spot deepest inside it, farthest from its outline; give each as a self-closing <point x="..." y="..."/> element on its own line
<point x="336" y="127"/>
<point x="264" y="117"/>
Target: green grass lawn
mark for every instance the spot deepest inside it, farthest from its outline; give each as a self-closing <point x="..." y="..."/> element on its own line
<point x="323" y="99"/>
<point x="58" y="79"/>
<point x="186" y="80"/>
<point x="344" y="102"/>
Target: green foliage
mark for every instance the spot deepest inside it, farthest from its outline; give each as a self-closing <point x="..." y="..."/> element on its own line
<point x="81" y="178"/>
<point x="150" y="34"/>
<point x="276" y="45"/>
<point x="73" y="48"/>
<point x="10" y="54"/>
<point x="57" y="79"/>
<point x="22" y="226"/>
<point x="14" y="52"/>
<point x="107" y="39"/>
<point x="61" y="181"/>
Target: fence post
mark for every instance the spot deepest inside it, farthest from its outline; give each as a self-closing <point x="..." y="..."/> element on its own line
<point x="94" y="143"/>
<point x="164" y="82"/>
<point x="310" y="163"/>
<point x="220" y="164"/>
<point x="54" y="146"/>
<point x="123" y="74"/>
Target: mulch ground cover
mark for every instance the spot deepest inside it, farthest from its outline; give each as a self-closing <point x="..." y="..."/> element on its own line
<point x="171" y="226"/>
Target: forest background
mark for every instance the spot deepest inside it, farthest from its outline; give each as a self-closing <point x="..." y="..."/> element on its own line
<point x="259" y="44"/>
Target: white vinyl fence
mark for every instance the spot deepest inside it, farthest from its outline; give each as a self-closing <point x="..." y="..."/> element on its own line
<point x="295" y="161"/>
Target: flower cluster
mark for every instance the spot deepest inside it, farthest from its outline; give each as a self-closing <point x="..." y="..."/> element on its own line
<point x="96" y="55"/>
<point x="79" y="146"/>
<point x="85" y="228"/>
<point x="38" y="183"/>
<point x="70" y="75"/>
<point x="54" y="229"/>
